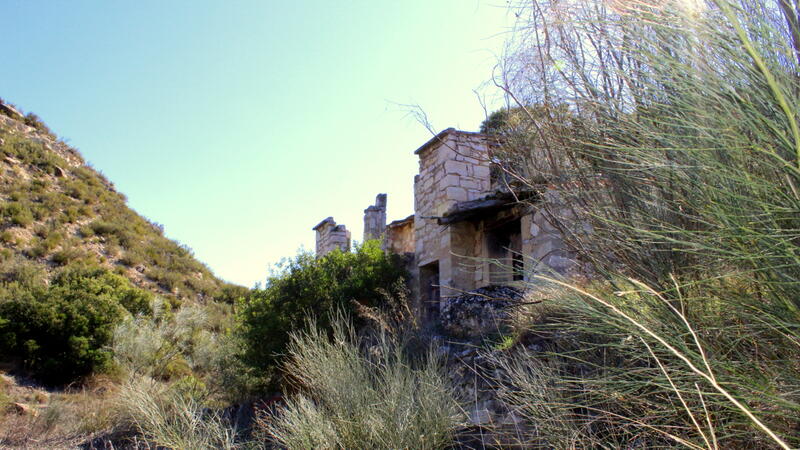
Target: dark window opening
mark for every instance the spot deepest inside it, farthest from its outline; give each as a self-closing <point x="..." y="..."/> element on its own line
<point x="504" y="245"/>
<point x="429" y="290"/>
<point x="518" y="266"/>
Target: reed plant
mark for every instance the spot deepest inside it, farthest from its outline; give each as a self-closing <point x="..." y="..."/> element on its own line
<point x="685" y="165"/>
<point x="351" y="395"/>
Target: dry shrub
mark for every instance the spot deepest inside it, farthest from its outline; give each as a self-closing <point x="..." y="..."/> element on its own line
<point x="173" y="416"/>
<point x="355" y="396"/>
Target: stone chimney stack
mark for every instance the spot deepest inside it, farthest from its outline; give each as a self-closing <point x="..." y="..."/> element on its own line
<point x="375" y="219"/>
<point x="331" y="236"/>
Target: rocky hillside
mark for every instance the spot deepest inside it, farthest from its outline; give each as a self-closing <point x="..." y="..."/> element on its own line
<point x="56" y="211"/>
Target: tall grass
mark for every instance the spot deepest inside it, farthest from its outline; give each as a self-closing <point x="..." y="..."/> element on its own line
<point x="195" y="341"/>
<point x="173" y="416"/>
<point x="686" y="166"/>
<point x="352" y="395"/>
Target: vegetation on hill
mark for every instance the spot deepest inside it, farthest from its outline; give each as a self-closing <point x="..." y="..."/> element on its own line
<point x="75" y="261"/>
<point x="58" y="212"/>
<point x="671" y="130"/>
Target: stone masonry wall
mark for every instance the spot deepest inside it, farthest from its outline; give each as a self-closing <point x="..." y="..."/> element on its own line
<point x="446" y="260"/>
<point x="331" y="236"/>
<point x="452" y="168"/>
<point x="400" y="236"/>
<point x="375" y="219"/>
<point x="543" y="244"/>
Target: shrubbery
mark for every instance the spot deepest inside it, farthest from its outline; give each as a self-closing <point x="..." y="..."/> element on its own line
<point x="689" y="182"/>
<point x="306" y="285"/>
<point x="62" y="331"/>
<point x="351" y="397"/>
<point x="83" y="196"/>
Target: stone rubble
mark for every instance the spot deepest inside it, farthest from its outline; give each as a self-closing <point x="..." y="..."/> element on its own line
<point x="478" y="313"/>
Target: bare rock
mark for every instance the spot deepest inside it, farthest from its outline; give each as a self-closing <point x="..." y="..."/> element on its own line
<point x="10" y="111"/>
<point x="24" y="410"/>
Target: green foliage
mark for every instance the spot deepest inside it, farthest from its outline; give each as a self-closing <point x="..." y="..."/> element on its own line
<point x="351" y="395"/>
<point x="7" y="237"/>
<point x="54" y="192"/>
<point x="19" y="276"/>
<point x="67" y="255"/>
<point x="173" y="416"/>
<point x="32" y="120"/>
<point x="191" y="341"/>
<point x="17" y="214"/>
<point x="62" y="331"/>
<point x="690" y="184"/>
<point x="501" y="120"/>
<point x="306" y="285"/>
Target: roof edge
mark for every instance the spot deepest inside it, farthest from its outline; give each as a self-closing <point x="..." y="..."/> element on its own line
<point x="438" y="138"/>
<point x="401" y="221"/>
<point x="324" y="221"/>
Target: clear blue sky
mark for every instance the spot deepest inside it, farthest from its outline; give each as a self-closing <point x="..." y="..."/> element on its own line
<point x="239" y="125"/>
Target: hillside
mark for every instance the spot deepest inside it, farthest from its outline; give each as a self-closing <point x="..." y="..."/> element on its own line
<point x="56" y="211"/>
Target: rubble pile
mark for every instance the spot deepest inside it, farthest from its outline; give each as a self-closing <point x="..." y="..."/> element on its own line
<point x="480" y="312"/>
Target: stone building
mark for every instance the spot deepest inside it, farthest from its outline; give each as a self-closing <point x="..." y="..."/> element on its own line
<point x="468" y="230"/>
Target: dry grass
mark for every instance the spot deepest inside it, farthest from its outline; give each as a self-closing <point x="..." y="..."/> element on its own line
<point x="355" y="397"/>
<point x="58" y="419"/>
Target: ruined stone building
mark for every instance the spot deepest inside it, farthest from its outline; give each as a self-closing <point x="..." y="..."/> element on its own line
<point x="467" y="231"/>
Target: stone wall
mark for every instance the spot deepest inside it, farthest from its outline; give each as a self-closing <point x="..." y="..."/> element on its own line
<point x="331" y="236"/>
<point x="399" y="236"/>
<point x="543" y="245"/>
<point x="453" y="167"/>
<point x="375" y="219"/>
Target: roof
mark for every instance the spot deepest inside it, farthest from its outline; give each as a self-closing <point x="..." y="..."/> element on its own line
<point x="326" y="220"/>
<point x="489" y="204"/>
<point x="439" y="138"/>
<point x="401" y="222"/>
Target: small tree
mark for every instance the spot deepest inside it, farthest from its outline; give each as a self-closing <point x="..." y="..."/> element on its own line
<point x="307" y="286"/>
<point x="62" y="331"/>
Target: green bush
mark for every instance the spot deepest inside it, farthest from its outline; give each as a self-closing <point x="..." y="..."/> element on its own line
<point x="66" y="255"/>
<point x="7" y="237"/>
<point x="62" y="331"/>
<point x="103" y="228"/>
<point x="86" y="231"/>
<point x="18" y="213"/>
<point x="307" y="285"/>
<point x="352" y="395"/>
<point x="32" y="120"/>
<point x="173" y="416"/>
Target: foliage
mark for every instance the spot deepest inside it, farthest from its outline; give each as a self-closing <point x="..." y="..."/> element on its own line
<point x="32" y="120"/>
<point x="173" y="416"/>
<point x="351" y="396"/>
<point x="61" y="331"/>
<point x="503" y="120"/>
<point x="307" y="285"/>
<point x="687" y="173"/>
<point x="77" y="214"/>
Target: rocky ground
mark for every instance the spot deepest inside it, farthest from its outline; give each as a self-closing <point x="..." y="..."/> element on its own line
<point x="473" y="344"/>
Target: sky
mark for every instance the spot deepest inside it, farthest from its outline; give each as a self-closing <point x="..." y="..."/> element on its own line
<point x="239" y="125"/>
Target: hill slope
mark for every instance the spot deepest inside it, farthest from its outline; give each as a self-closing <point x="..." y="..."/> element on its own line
<point x="55" y="211"/>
